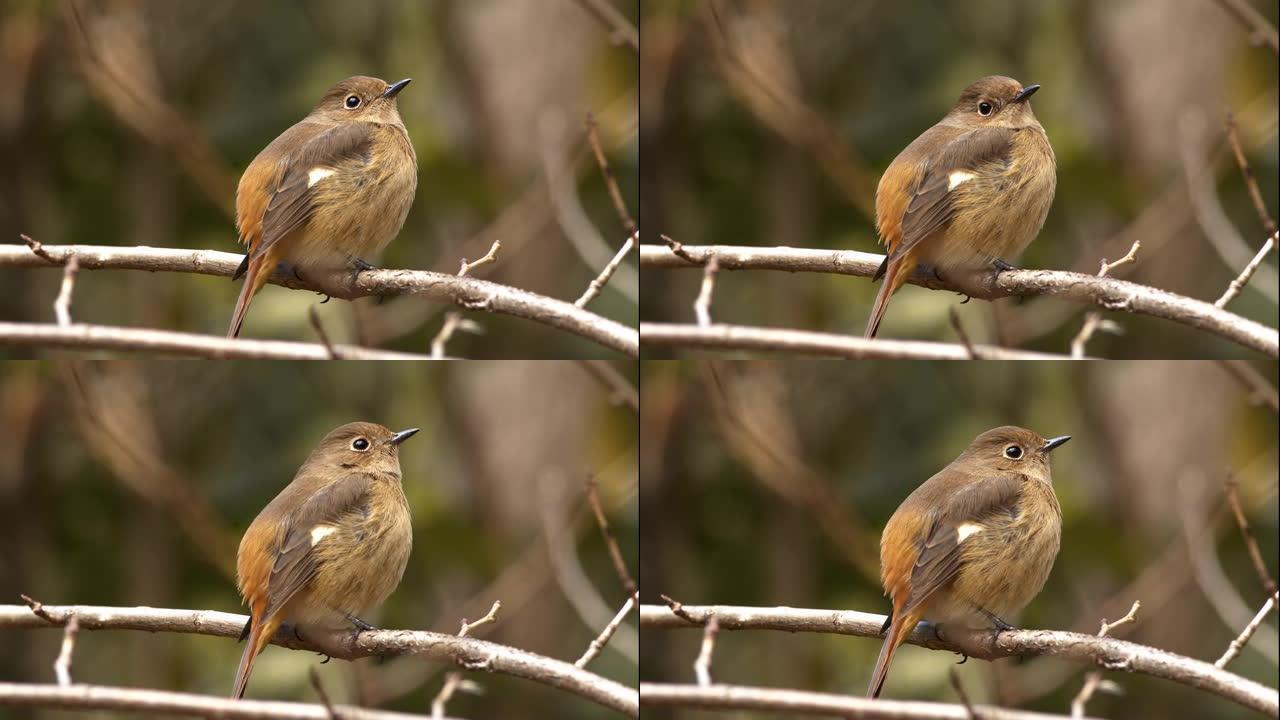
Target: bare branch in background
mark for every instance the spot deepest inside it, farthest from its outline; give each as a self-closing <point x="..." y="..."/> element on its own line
<point x="1243" y="638"/>
<point x="1233" y="137"/>
<point x="602" y="279"/>
<point x="324" y="696"/>
<point x="465" y="292"/>
<point x="803" y="342"/>
<point x="62" y="666"/>
<point x="1251" y="543"/>
<point x="615" y="554"/>
<point x="1260" y="390"/>
<point x="1094" y="679"/>
<point x="314" y="317"/>
<point x="702" y="305"/>
<point x="453" y="319"/>
<point x="62" y="306"/>
<point x="1108" y="653"/>
<point x="1107" y="293"/>
<point x="593" y="137"/>
<point x="621" y="391"/>
<point x="702" y="665"/>
<point x="790" y="703"/>
<point x="602" y="639"/>
<point x="964" y="336"/>
<point x="1246" y="274"/>
<point x="1260" y="31"/>
<point x="620" y="28"/>
<point x="467" y="652"/>
<point x="1095" y="318"/>
<point x="454" y="679"/>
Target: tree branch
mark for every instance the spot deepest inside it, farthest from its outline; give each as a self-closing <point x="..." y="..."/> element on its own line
<point x="1108" y="653"/>
<point x="159" y="702"/>
<point x="1107" y="293"/>
<point x="465" y="292"/>
<point x="164" y="342"/>
<point x="740" y="337"/>
<point x="737" y="697"/>
<point x="468" y="653"/>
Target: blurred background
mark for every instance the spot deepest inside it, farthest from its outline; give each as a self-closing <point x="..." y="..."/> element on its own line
<point x="128" y="122"/>
<point x="769" y="123"/>
<point x="766" y="484"/>
<point x="131" y="483"/>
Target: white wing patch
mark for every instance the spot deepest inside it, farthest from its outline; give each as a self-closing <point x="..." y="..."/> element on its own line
<point x="964" y="531"/>
<point x="955" y="179"/>
<point x="319" y="173"/>
<point x="320" y="532"/>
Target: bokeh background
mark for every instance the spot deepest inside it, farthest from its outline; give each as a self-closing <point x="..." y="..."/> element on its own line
<point x="767" y="483"/>
<point x="769" y="123"/>
<point x="128" y="122"/>
<point x="130" y="484"/>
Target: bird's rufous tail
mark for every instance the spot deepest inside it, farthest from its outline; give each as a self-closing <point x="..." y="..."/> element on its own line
<point x="259" y="635"/>
<point x="898" y="631"/>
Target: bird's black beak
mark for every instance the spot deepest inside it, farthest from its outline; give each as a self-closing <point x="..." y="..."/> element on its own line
<point x="1052" y="443"/>
<point x="403" y="434"/>
<point x="393" y="90"/>
<point x="1027" y="92"/>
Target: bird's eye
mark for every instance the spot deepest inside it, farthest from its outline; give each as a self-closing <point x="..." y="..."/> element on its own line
<point x="360" y="444"/>
<point x="353" y="102"/>
<point x="984" y="108"/>
<point x="1013" y="452"/>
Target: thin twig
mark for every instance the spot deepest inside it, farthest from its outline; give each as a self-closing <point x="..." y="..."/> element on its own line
<point x="62" y="306"/>
<point x="964" y="336"/>
<point x="702" y="666"/>
<point x="1260" y="31"/>
<point x="702" y="305"/>
<point x="37" y="609"/>
<point x="611" y="542"/>
<point x="1251" y="543"/>
<point x="677" y="608"/>
<point x="603" y="278"/>
<point x="603" y="638"/>
<point x="38" y="249"/>
<point x="1247" y="273"/>
<point x="621" y="391"/>
<point x="324" y="696"/>
<point x="1268" y="225"/>
<point x="593" y="137"/>
<point x="1094" y="678"/>
<point x="1094" y="318"/>
<point x="62" y="666"/>
<point x="453" y="319"/>
<point x="1260" y="389"/>
<point x="677" y="249"/>
<point x="620" y="28"/>
<point x="1243" y="638"/>
<point x="454" y="680"/>
<point x="324" y="336"/>
<point x="964" y="696"/>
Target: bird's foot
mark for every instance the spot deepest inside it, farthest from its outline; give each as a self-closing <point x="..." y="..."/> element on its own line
<point x="362" y="625"/>
<point x="360" y="265"/>
<point x="1001" y="265"/>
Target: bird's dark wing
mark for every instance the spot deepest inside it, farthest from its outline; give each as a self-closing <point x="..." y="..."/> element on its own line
<point x="940" y="552"/>
<point x="931" y="206"/>
<point x="295" y="564"/>
<point x="291" y="204"/>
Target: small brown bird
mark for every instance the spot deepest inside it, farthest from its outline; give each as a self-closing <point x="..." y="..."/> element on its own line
<point x="328" y="193"/>
<point x="974" y="543"/>
<point x="971" y="192"/>
<point x="332" y="544"/>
